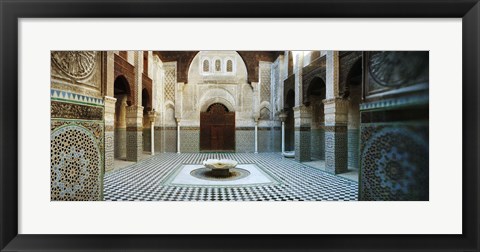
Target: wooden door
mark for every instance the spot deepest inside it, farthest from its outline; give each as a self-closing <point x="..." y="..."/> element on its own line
<point x="217" y="129"/>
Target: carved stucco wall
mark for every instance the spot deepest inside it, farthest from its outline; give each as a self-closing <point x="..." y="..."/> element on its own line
<point x="77" y="126"/>
<point x="206" y="88"/>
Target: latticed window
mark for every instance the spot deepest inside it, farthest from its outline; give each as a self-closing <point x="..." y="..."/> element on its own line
<point x="206" y="66"/>
<point x="218" y="65"/>
<point x="229" y="66"/>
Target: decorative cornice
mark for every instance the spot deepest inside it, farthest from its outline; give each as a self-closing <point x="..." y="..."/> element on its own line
<point x="396" y="102"/>
<point x="336" y="101"/>
<point x="61" y="95"/>
<point x="68" y="110"/>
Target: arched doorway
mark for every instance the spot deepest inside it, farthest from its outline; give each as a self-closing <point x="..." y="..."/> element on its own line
<point x="316" y="93"/>
<point x="290" y="121"/>
<point x="146" y="121"/>
<point x="121" y="93"/>
<point x="217" y="129"/>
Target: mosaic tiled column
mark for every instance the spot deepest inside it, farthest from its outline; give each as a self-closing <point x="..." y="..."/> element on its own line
<point x="336" y="143"/>
<point x="109" y="132"/>
<point x="134" y="132"/>
<point x="303" y="118"/>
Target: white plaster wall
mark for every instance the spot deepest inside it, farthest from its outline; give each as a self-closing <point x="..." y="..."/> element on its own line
<point x="310" y="56"/>
<point x="277" y="84"/>
<point x="169" y="93"/>
<point x="204" y="89"/>
<point x="150" y="64"/>
<point x="157" y="88"/>
<point x="131" y="57"/>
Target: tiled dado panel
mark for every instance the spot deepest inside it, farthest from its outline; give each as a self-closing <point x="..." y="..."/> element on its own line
<point x="170" y="139"/>
<point x="394" y="161"/>
<point x="76" y="146"/>
<point x="277" y="139"/>
<point x="302" y="144"/>
<point x="336" y="153"/>
<point x="165" y="139"/>
<point x="245" y="139"/>
<point x="353" y="147"/>
<point x="120" y="139"/>
<point x="189" y="139"/>
<point x="265" y="139"/>
<point x="318" y="143"/>
<point x="158" y="139"/>
<point x="134" y="138"/>
<point x="147" y="142"/>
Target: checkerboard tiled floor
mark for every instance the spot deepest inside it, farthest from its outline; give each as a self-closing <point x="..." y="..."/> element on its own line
<point x="145" y="181"/>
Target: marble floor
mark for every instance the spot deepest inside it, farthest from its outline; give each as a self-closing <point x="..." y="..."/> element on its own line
<point x="165" y="177"/>
<point x="352" y="173"/>
<point x="119" y="163"/>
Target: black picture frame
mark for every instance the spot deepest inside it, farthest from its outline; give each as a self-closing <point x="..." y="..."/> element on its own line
<point x="11" y="11"/>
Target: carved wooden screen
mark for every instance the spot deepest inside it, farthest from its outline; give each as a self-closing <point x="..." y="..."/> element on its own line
<point x="217" y="129"/>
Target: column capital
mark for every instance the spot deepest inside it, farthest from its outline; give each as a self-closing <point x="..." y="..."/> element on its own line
<point x="283" y="116"/>
<point x="134" y="111"/>
<point x="109" y="99"/>
<point x="337" y="102"/>
<point x="336" y="111"/>
<point x="152" y="115"/>
<point x="302" y="111"/>
<point x="256" y="116"/>
<point x="109" y="104"/>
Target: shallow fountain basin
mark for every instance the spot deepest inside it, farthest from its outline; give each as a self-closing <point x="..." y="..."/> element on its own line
<point x="220" y="167"/>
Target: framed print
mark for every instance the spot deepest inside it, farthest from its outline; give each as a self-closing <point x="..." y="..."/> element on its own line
<point x="220" y="125"/>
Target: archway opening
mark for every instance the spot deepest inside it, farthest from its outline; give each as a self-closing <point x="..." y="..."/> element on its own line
<point x="122" y="94"/>
<point x="354" y="92"/>
<point x="289" y="121"/>
<point x="316" y="93"/>
<point x="217" y="129"/>
<point x="146" y="104"/>
<point x="145" y="101"/>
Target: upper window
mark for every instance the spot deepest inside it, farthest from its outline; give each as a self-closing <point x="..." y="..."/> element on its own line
<point x="206" y="66"/>
<point x="218" y="66"/>
<point x="229" y="66"/>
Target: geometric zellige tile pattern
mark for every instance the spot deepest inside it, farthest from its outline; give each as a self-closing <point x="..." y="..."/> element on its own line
<point x="144" y="181"/>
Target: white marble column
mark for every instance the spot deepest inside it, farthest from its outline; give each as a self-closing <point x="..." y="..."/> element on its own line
<point x="283" y="117"/>
<point x="152" y="142"/>
<point x="256" y="136"/>
<point x="178" y="135"/>
<point x="151" y="117"/>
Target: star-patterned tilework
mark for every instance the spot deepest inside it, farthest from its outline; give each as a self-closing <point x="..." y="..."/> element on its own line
<point x="145" y="181"/>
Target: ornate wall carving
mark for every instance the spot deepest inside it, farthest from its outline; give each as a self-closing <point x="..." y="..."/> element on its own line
<point x="77" y="126"/>
<point x="75" y="64"/>
<point x="76" y="160"/>
<point x="395" y="71"/>
<point x="394" y="161"/>
<point x="265" y="83"/>
<point x="75" y="111"/>
<point x="77" y="72"/>
<point x="276" y="99"/>
<point x="394" y="133"/>
<point x="170" y="82"/>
